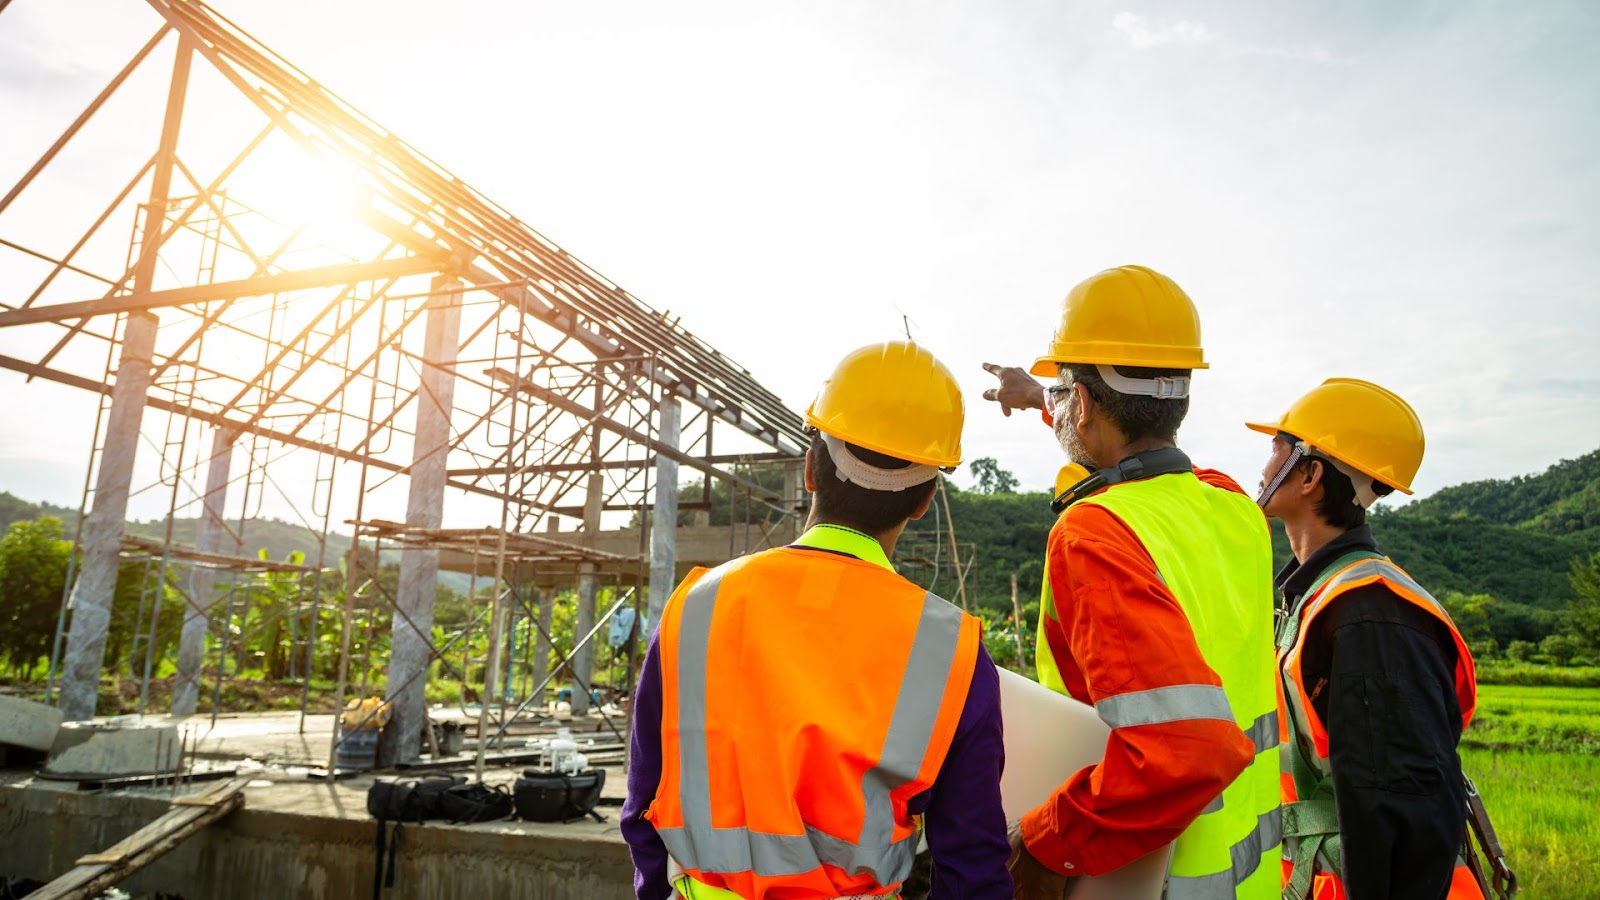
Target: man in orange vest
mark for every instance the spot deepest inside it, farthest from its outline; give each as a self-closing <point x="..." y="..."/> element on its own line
<point x="1155" y="608"/>
<point x="1377" y="683"/>
<point x="805" y="715"/>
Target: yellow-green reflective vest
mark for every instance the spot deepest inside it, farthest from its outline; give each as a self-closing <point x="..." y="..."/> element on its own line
<point x="1213" y="551"/>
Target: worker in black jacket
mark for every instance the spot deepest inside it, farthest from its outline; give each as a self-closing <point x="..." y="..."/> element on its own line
<point x="1378" y="684"/>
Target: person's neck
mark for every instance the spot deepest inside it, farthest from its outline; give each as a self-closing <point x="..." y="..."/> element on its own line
<point x="1121" y="450"/>
<point x="1308" y="534"/>
<point x="885" y="539"/>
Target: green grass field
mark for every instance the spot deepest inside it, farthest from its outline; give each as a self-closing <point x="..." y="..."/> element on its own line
<point x="1533" y="753"/>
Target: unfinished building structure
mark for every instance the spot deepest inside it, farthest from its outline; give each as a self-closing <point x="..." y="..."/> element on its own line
<point x="281" y="300"/>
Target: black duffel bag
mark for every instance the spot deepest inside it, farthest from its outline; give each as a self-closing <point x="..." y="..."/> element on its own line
<point x="399" y="802"/>
<point x="557" y="796"/>
<point x="467" y="803"/>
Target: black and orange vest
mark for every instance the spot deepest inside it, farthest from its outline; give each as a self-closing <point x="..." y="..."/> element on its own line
<point x="1310" y="820"/>
<point x="806" y="698"/>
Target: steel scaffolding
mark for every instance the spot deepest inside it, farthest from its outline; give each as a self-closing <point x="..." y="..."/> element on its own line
<point x="369" y="355"/>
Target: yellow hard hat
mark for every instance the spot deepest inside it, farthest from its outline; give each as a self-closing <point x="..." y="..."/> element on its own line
<point x="1069" y="475"/>
<point x="896" y="399"/>
<point x="1359" y="424"/>
<point x="1127" y="316"/>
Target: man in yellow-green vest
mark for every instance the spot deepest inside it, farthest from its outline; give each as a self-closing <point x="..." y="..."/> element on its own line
<point x="1157" y="609"/>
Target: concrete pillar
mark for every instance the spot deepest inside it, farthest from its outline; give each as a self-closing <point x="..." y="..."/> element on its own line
<point x="664" y="517"/>
<point x="96" y="586"/>
<point x="794" y="496"/>
<point x="583" y="659"/>
<point x="588" y="591"/>
<point x="419" y="569"/>
<point x="92" y="594"/>
<point x="543" y="602"/>
<point x="202" y="579"/>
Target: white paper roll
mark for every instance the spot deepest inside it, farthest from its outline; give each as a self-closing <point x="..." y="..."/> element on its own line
<point x="1049" y="736"/>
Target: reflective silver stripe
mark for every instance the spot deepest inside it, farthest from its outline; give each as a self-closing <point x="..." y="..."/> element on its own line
<point x="694" y="762"/>
<point x="1264" y="732"/>
<point x="1246" y="859"/>
<point x="1165" y="704"/>
<point x="699" y="846"/>
<point x="770" y="855"/>
<point x="1384" y="569"/>
<point x="916" y="709"/>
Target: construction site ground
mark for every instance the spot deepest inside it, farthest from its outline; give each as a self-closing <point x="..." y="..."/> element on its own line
<point x="301" y="833"/>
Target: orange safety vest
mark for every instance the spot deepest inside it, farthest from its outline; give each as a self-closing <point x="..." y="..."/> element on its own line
<point x="1311" y="827"/>
<point x="806" y="698"/>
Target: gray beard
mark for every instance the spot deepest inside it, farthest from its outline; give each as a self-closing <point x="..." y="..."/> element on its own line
<point x="1070" y="441"/>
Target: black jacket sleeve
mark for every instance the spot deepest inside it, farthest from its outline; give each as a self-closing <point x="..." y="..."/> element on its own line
<point x="1388" y="698"/>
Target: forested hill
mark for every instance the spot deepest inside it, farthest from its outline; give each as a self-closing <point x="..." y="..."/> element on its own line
<point x="279" y="538"/>
<point x="1514" y="540"/>
<point x="1563" y="499"/>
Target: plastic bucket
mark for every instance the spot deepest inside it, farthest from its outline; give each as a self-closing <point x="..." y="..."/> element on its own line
<point x="358" y="748"/>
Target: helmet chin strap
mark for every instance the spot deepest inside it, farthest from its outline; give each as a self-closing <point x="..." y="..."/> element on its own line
<point x="1283" y="472"/>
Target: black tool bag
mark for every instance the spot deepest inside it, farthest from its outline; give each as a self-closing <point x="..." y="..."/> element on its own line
<point x="557" y="796"/>
<point x="467" y="803"/>
<point x="399" y="802"/>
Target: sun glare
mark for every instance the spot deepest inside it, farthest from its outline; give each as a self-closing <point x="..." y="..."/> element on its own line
<point x="321" y="198"/>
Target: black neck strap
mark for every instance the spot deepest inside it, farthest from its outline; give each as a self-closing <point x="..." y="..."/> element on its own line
<point x="1148" y="464"/>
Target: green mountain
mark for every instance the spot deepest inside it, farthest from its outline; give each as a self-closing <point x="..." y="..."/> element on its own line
<point x="1513" y="539"/>
<point x="277" y="537"/>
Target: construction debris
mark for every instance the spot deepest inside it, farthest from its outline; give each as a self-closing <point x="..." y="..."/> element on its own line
<point x="189" y="814"/>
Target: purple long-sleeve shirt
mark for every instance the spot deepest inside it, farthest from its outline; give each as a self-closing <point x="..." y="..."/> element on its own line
<point x="965" y="824"/>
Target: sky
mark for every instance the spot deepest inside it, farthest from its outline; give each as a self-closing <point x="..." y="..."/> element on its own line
<point x="1404" y="193"/>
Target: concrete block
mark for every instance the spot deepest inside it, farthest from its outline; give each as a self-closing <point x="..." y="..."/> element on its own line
<point x="24" y="723"/>
<point x="104" y="750"/>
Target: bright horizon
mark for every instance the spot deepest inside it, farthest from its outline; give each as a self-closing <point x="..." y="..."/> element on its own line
<point x="1406" y="198"/>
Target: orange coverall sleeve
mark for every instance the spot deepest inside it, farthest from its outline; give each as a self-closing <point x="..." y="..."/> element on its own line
<point x="1119" y="630"/>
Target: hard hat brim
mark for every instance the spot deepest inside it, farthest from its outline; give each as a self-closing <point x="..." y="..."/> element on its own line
<point x="1045" y="366"/>
<point x="943" y="462"/>
<point x="1275" y="427"/>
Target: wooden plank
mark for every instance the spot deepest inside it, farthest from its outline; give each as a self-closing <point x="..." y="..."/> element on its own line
<point x="96" y="872"/>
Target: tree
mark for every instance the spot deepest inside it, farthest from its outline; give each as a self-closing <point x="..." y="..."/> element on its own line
<point x="991" y="479"/>
<point x="1470" y="613"/>
<point x="1560" y="648"/>
<point x="1583" y="617"/>
<point x="33" y="574"/>
<point x="1521" y="651"/>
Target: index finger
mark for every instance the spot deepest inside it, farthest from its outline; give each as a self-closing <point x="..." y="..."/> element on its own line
<point x="991" y="368"/>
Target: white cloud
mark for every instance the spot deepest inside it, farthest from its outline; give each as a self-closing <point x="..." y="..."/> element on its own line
<point x="1141" y="35"/>
<point x="1305" y="53"/>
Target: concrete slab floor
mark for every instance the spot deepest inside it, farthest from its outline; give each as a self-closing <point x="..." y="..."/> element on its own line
<point x="280" y="737"/>
<point x="312" y="839"/>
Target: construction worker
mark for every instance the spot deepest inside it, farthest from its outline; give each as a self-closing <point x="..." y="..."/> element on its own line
<point x="1377" y="683"/>
<point x="805" y="713"/>
<point x="1156" y="609"/>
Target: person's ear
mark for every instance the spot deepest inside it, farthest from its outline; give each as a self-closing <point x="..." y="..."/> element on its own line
<point x="1311" y="477"/>
<point x="922" y="508"/>
<point x="811" y="480"/>
<point x="1085" y="401"/>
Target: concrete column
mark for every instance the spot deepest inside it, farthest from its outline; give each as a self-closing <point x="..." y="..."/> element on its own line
<point x="588" y="591"/>
<point x="96" y="586"/>
<point x="583" y="659"/>
<point x="664" y="517"/>
<point x="794" y="497"/>
<point x="543" y="601"/>
<point x="419" y="569"/>
<point x="202" y="579"/>
<point x="92" y="594"/>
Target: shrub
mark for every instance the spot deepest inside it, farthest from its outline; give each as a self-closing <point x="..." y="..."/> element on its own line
<point x="1561" y="648"/>
<point x="1521" y="651"/>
